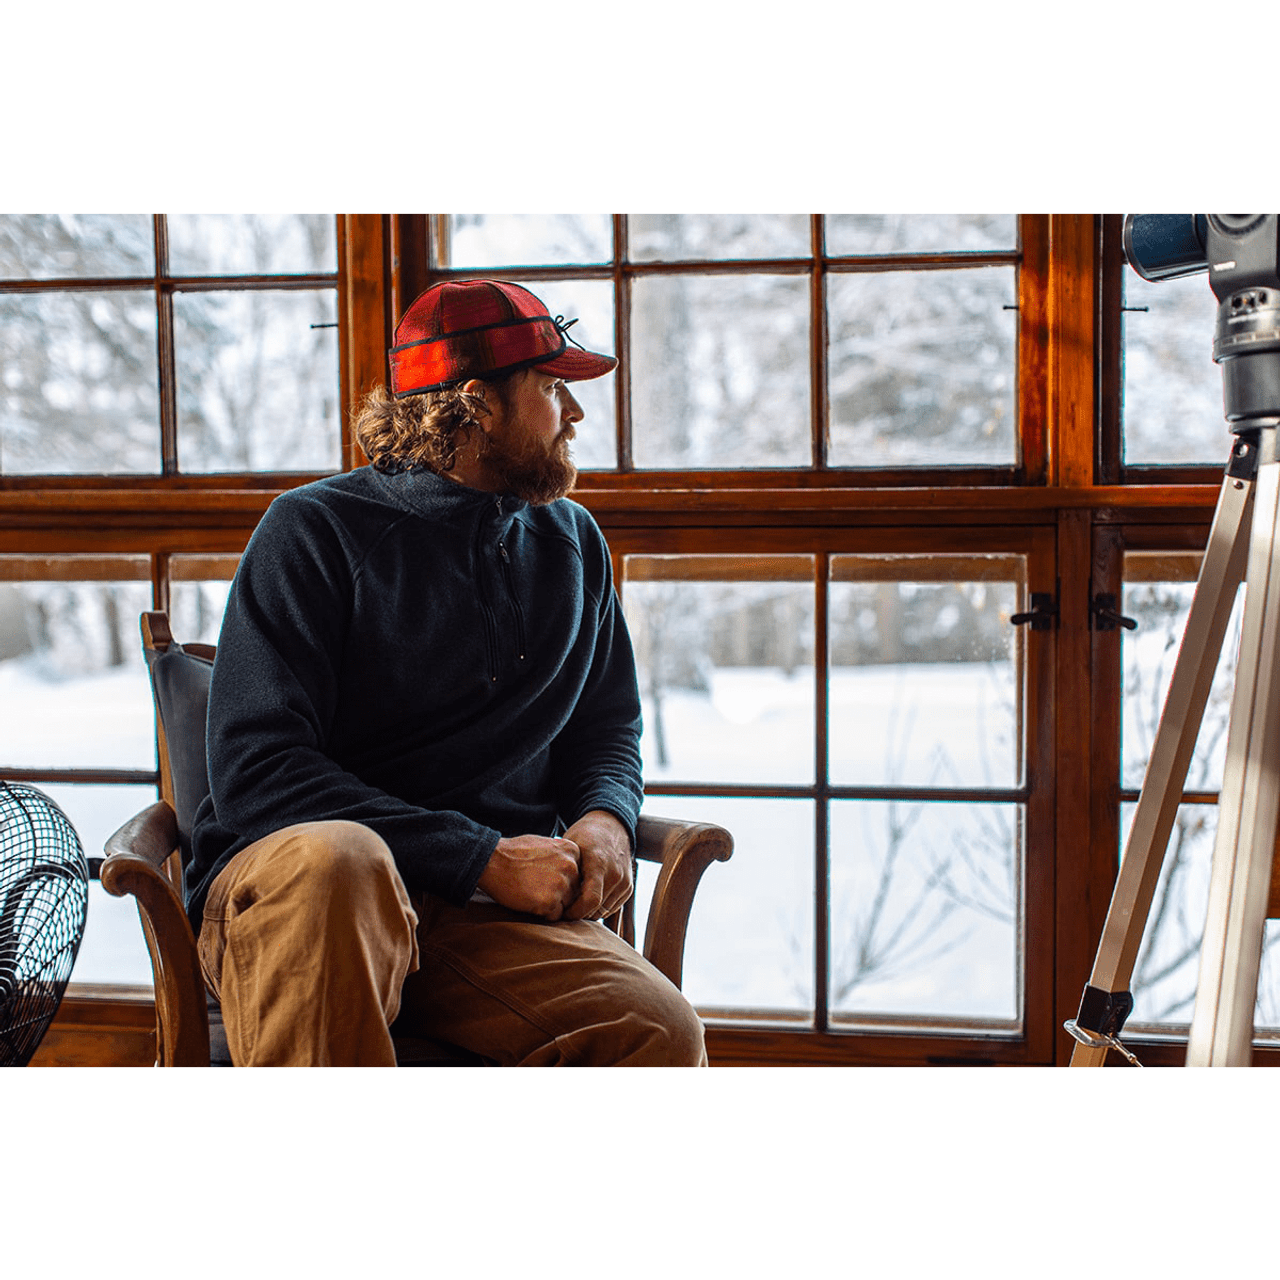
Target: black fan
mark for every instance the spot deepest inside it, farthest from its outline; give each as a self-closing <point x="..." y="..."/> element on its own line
<point x="44" y="901"/>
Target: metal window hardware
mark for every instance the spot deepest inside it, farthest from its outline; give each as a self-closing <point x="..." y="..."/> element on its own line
<point x="1105" y="615"/>
<point x="1043" y="614"/>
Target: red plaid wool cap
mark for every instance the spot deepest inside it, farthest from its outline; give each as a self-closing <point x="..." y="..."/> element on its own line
<point x="483" y="329"/>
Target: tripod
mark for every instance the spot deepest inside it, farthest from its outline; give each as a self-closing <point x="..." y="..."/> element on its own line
<point x="1242" y="546"/>
<point x="1242" y="255"/>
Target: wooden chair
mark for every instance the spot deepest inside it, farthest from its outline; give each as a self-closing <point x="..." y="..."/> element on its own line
<point x="144" y="859"/>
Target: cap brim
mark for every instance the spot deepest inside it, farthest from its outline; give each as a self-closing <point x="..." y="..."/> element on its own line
<point x="575" y="365"/>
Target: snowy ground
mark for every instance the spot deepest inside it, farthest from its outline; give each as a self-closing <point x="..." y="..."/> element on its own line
<point x="925" y="897"/>
<point x="752" y="936"/>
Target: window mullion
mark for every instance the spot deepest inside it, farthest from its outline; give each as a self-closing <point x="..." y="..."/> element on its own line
<point x="821" y="823"/>
<point x="622" y="341"/>
<point x="160" y="580"/>
<point x="1109" y="460"/>
<point x="165" y="358"/>
<point x="818" y="344"/>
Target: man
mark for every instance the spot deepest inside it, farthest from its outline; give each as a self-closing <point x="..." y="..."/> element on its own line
<point x="424" y="732"/>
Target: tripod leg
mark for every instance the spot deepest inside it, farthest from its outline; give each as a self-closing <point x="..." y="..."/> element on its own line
<point x="1222" y="1024"/>
<point x="1221" y="573"/>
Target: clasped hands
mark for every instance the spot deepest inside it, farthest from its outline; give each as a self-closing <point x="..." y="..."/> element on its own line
<point x="584" y="874"/>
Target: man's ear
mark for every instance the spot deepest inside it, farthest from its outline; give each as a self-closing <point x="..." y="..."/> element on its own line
<point x="477" y="389"/>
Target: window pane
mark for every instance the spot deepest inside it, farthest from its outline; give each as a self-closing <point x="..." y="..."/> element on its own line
<point x="922" y="367"/>
<point x="79" y="391"/>
<point x="925" y="911"/>
<point x="73" y="684"/>
<point x="1172" y="399"/>
<point x="525" y="239"/>
<point x="720" y="371"/>
<point x="252" y="244"/>
<point x="1168" y="965"/>
<point x="850" y="234"/>
<point x="590" y="302"/>
<point x="926" y="679"/>
<point x="725" y="659"/>
<point x="49" y="246"/>
<point x="672" y="236"/>
<point x="1159" y="590"/>
<point x="1160" y="607"/>
<point x="198" y="596"/>
<point x="750" y="945"/>
<point x="1164" y="978"/>
<point x="112" y="949"/>
<point x="257" y="381"/>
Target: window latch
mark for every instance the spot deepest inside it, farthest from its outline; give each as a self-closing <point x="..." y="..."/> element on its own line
<point x="1042" y="615"/>
<point x="1105" y="615"/>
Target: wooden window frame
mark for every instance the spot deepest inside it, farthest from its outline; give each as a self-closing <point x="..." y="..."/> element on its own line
<point x="824" y="510"/>
<point x="1110" y="464"/>
<point x="164" y="284"/>
<point x="420" y="269"/>
<point x="1064" y="492"/>
<point x="822" y="1038"/>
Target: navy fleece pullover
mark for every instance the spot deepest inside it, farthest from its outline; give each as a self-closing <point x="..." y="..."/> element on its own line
<point x="443" y="665"/>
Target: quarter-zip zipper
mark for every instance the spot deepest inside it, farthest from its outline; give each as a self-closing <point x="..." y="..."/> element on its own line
<point x="522" y="647"/>
<point x="492" y="629"/>
<point x="486" y="609"/>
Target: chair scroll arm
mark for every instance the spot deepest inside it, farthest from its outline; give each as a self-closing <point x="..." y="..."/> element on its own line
<point x="684" y="850"/>
<point x="151" y="835"/>
<point x="135" y="866"/>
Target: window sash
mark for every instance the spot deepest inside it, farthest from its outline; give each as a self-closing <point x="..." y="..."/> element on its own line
<point x="822" y="558"/>
<point x="425" y="264"/>
<point x="164" y="285"/>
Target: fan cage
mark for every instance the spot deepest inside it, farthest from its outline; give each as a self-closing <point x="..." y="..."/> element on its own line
<point x="44" y="903"/>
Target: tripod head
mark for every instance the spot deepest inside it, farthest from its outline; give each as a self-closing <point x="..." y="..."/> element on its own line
<point x="1241" y="252"/>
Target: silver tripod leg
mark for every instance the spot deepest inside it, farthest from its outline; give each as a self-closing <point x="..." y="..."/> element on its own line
<point x="1106" y="999"/>
<point x="1230" y="955"/>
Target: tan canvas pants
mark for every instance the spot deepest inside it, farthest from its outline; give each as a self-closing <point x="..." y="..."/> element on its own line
<point x="314" y="947"/>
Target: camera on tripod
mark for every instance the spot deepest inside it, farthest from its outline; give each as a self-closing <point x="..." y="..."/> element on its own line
<point x="1241" y="252"/>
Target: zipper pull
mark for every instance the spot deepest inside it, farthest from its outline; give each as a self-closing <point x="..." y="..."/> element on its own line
<point x="502" y="551"/>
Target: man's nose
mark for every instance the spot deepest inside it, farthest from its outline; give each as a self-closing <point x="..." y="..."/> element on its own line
<point x="570" y="409"/>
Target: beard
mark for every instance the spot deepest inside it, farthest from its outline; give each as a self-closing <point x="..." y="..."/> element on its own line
<point x="537" y="476"/>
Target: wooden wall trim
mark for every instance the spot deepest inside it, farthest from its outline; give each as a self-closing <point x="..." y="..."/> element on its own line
<point x="721" y="511"/>
<point x="121" y="1033"/>
<point x="1071" y="354"/>
<point x="91" y="1031"/>
<point x="366" y="328"/>
<point x="1075" y="861"/>
<point x="189" y="509"/>
<point x="1033" y="350"/>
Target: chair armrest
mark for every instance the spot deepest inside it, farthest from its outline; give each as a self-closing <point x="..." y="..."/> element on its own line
<point x="151" y="835"/>
<point x="684" y="850"/>
<point x="137" y="855"/>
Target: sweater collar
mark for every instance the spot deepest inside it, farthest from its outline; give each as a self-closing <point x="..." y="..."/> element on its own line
<point x="437" y="497"/>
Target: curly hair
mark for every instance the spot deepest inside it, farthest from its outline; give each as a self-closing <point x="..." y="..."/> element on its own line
<point x="420" y="430"/>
